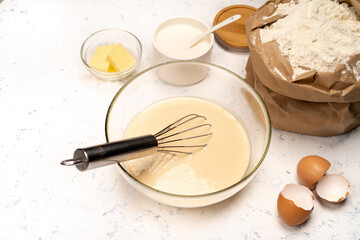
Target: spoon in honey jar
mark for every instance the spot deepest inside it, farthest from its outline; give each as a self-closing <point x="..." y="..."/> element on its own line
<point x="213" y="29"/>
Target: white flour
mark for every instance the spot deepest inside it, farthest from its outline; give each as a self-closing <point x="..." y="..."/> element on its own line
<point x="315" y="34"/>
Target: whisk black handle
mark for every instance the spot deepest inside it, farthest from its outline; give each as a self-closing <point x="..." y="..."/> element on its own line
<point x="113" y="152"/>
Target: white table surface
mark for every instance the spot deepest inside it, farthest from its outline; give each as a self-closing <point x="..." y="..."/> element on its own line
<point x="50" y="105"/>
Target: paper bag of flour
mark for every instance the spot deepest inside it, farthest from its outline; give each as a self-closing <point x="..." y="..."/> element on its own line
<point x="314" y="102"/>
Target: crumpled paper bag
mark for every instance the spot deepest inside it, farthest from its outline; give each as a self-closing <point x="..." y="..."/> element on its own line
<point x="314" y="103"/>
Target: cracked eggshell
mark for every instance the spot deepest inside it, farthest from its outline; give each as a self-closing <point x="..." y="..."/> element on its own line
<point x="310" y="169"/>
<point x="333" y="188"/>
<point x="295" y="204"/>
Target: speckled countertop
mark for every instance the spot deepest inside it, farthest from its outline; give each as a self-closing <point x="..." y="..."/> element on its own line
<point x="50" y="105"/>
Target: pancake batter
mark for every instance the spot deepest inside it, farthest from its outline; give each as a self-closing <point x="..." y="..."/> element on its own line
<point x="220" y="164"/>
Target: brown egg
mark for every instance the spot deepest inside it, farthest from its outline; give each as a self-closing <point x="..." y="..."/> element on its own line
<point x="310" y="169"/>
<point x="295" y="204"/>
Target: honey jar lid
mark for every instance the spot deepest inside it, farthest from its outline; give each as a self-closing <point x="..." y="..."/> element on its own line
<point x="234" y="34"/>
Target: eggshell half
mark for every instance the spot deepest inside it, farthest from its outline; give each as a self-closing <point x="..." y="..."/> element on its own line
<point x="333" y="188"/>
<point x="310" y="169"/>
<point x="295" y="204"/>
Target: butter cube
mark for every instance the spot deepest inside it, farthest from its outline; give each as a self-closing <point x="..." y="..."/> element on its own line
<point x="99" y="60"/>
<point x="111" y="68"/>
<point x="120" y="58"/>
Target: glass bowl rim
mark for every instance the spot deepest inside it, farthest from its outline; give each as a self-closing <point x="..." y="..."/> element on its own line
<point x="126" y="71"/>
<point x="267" y="116"/>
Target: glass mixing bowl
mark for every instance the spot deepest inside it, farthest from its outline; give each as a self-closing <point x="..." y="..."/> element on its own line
<point x="221" y="87"/>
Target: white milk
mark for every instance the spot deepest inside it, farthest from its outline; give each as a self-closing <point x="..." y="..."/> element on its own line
<point x="171" y="41"/>
<point x="174" y="41"/>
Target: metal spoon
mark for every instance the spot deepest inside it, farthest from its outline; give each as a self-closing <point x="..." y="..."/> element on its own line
<point x="214" y="28"/>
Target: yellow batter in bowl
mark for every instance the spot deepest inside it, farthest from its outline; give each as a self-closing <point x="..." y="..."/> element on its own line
<point x="220" y="164"/>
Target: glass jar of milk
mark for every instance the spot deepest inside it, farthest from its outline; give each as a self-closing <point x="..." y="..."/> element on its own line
<point x="171" y="43"/>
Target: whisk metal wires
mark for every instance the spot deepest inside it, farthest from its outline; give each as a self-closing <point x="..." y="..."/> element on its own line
<point x="180" y="137"/>
<point x="162" y="138"/>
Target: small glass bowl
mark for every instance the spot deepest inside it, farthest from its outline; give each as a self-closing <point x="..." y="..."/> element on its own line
<point x="108" y="37"/>
<point x="221" y="87"/>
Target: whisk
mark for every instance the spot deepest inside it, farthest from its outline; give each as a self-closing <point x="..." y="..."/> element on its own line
<point x="171" y="140"/>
